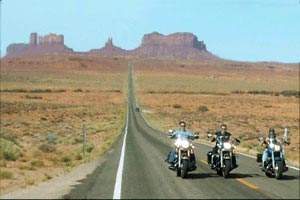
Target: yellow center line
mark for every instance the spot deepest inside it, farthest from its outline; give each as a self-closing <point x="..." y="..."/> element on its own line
<point x="250" y="185"/>
<point x="203" y="161"/>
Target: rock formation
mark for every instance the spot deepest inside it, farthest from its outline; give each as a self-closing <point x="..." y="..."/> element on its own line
<point x="48" y="44"/>
<point x="177" y="45"/>
<point x="109" y="50"/>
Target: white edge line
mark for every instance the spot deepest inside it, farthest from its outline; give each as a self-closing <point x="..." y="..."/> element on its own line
<point x="118" y="183"/>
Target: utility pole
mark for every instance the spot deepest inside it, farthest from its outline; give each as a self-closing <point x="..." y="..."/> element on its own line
<point x="0" y="29"/>
<point x="83" y="140"/>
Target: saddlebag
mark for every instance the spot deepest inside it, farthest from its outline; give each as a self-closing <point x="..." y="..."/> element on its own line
<point x="259" y="157"/>
<point x="209" y="154"/>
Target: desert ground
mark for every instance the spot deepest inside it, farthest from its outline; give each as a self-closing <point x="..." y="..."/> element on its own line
<point x="48" y="101"/>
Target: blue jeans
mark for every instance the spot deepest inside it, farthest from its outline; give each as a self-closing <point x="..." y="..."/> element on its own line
<point x="264" y="157"/>
<point x="172" y="156"/>
<point x="173" y="159"/>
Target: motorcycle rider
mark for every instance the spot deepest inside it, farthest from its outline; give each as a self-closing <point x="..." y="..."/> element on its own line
<point x="172" y="154"/>
<point x="222" y="132"/>
<point x="271" y="136"/>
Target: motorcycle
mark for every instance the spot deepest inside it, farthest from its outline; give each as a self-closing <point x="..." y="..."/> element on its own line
<point x="185" y="154"/>
<point x="275" y="164"/>
<point x="225" y="160"/>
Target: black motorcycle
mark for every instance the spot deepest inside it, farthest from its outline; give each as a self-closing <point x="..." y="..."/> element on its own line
<point x="225" y="160"/>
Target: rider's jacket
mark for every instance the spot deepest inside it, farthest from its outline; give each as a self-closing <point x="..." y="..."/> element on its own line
<point x="219" y="134"/>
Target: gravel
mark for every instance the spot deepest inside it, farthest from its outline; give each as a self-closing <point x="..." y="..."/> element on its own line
<point x="57" y="187"/>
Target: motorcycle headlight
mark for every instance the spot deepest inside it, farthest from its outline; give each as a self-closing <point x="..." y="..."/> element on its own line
<point x="272" y="146"/>
<point x="185" y="144"/>
<point x="178" y="142"/>
<point x="227" y="145"/>
<point x="277" y="147"/>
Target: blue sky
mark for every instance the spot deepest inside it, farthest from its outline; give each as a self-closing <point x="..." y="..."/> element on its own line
<point x="244" y="30"/>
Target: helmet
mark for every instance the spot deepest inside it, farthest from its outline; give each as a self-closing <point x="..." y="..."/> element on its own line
<point x="272" y="134"/>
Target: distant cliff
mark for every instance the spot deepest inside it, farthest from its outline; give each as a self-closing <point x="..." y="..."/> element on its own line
<point x="49" y="44"/>
<point x="177" y="45"/>
<point x="109" y="50"/>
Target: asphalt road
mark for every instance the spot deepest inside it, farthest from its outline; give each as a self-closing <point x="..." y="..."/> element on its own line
<point x="143" y="174"/>
<point x="135" y="169"/>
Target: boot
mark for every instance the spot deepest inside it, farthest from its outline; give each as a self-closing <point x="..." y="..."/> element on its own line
<point x="209" y="154"/>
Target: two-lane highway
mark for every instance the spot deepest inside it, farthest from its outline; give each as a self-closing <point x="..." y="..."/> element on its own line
<point x="135" y="169"/>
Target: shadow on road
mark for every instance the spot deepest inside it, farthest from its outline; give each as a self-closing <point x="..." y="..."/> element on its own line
<point x="215" y="175"/>
<point x="200" y="175"/>
<point x="239" y="175"/>
<point x="288" y="177"/>
<point x="285" y="177"/>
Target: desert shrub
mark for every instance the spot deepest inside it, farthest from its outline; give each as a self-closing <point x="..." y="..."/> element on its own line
<point x="41" y="91"/>
<point x="9" y="137"/>
<point x="260" y="148"/>
<point x="9" y="150"/>
<point x="238" y="92"/>
<point x="37" y="163"/>
<point x="33" y="97"/>
<point x="291" y="93"/>
<point x="47" y="148"/>
<point x="6" y="174"/>
<point x="89" y="147"/>
<point x="203" y="108"/>
<point x="66" y="159"/>
<point x="267" y="106"/>
<point x="151" y="92"/>
<point x="241" y="136"/>
<point x="59" y="90"/>
<point x="14" y="90"/>
<point x="78" y="90"/>
<point x="77" y="140"/>
<point x="117" y="91"/>
<point x="246" y="145"/>
<point x="47" y="177"/>
<point x="176" y="106"/>
<point x="78" y="157"/>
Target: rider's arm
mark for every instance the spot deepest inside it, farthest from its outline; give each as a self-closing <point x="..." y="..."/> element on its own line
<point x="174" y="134"/>
<point x="214" y="138"/>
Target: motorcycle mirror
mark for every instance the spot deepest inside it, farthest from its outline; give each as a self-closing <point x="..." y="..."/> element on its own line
<point x="170" y="131"/>
<point x="260" y="139"/>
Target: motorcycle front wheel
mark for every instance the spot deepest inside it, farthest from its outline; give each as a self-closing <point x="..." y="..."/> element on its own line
<point x="178" y="171"/>
<point x="226" y="168"/>
<point x="278" y="169"/>
<point x="184" y="168"/>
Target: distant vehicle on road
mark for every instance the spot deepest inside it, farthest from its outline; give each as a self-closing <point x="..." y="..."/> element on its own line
<point x="137" y="109"/>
